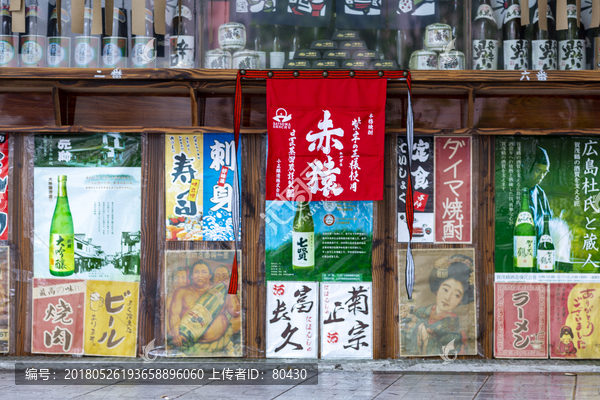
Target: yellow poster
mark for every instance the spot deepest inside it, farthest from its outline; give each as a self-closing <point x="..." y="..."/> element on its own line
<point x="111" y="318"/>
<point x="183" y="170"/>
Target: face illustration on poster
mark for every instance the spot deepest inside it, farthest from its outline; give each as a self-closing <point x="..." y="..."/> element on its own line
<point x="566" y="346"/>
<point x="426" y="330"/>
<point x="202" y="319"/>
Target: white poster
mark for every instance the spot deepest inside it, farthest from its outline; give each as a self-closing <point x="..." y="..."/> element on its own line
<point x="346" y="320"/>
<point x="292" y="324"/>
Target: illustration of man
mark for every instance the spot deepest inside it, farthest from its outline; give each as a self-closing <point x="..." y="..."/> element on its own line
<point x="202" y="312"/>
<point x="539" y="201"/>
<point x="221" y="275"/>
<point x="178" y="279"/>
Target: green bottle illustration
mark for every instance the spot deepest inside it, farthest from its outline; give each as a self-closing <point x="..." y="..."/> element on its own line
<point x="62" y="238"/>
<point x="545" y="252"/>
<point x="525" y="236"/>
<point x="303" y="239"/>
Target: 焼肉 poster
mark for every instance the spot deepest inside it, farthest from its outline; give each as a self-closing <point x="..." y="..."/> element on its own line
<point x="442" y="311"/>
<point x="201" y="318"/>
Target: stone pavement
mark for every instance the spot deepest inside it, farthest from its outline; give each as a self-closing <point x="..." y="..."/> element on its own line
<point x="344" y="379"/>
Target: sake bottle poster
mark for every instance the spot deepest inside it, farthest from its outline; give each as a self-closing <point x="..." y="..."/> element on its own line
<point x="201" y="318"/>
<point x="560" y="179"/>
<point x="328" y="241"/>
<point x="94" y="232"/>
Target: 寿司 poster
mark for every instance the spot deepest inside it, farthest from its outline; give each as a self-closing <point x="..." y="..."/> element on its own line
<point x="87" y="206"/>
<point x="441" y="318"/>
<point x="554" y="178"/>
<point x="199" y="179"/>
<point x="574" y="320"/>
<point x="201" y="318"/>
<point x="319" y="240"/>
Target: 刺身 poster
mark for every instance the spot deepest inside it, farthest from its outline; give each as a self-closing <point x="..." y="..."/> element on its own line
<point x="5" y="303"/>
<point x="87" y="206"/>
<point x="292" y="319"/>
<point x="574" y="320"/>
<point x="3" y="187"/>
<point x="521" y="320"/>
<point x="346" y="320"/>
<point x="111" y="318"/>
<point x="547" y="207"/>
<point x="201" y="318"/>
<point x="319" y="241"/>
<point x="442" y="311"/>
<point x="199" y="178"/>
<point x="58" y="316"/>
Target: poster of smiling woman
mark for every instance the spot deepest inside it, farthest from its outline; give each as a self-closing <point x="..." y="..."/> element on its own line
<point x="441" y="318"/>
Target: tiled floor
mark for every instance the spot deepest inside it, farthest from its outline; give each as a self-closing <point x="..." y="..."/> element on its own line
<point x="334" y="385"/>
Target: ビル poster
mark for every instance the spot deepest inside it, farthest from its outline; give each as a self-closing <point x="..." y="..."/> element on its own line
<point x="58" y="316"/>
<point x="5" y="304"/>
<point x="574" y="320"/>
<point x="442" y="311"/>
<point x="202" y="319"/>
<point x="556" y="178"/>
<point x="521" y="320"/>
<point x="199" y="174"/>
<point x="111" y="318"/>
<point x="346" y="320"/>
<point x="319" y="241"/>
<point x="292" y="319"/>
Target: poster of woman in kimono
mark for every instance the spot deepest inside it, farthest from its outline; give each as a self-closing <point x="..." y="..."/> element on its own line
<point x="442" y="313"/>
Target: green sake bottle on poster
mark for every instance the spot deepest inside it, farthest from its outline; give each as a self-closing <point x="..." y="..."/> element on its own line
<point x="62" y="238"/>
<point x="525" y="237"/>
<point x="303" y="239"/>
<point x="545" y="251"/>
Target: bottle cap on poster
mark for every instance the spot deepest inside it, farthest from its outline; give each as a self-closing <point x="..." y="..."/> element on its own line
<point x="384" y="64"/>
<point x="336" y="55"/>
<point x="307" y="54"/>
<point x="323" y="45"/>
<point x="353" y="45"/>
<point x="326" y="64"/>
<point x="365" y="55"/>
<point x="355" y="64"/>
<point x="345" y="35"/>
<point x="297" y="64"/>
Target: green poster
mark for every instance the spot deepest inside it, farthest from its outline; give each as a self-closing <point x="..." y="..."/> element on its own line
<point x="547" y="208"/>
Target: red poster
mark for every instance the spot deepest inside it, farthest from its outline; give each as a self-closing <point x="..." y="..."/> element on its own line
<point x="326" y="139"/>
<point x="575" y="320"/>
<point x="520" y="320"/>
<point x="453" y="183"/>
<point x="58" y="316"/>
<point x="3" y="187"/>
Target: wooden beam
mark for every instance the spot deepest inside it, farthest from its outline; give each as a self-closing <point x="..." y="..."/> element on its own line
<point x="194" y="101"/>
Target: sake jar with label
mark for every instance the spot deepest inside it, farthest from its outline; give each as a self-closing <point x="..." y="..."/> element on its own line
<point x="232" y="36"/>
<point x="452" y="60"/>
<point x="217" y="59"/>
<point x="424" y="60"/>
<point x="437" y="36"/>
<point x="245" y="59"/>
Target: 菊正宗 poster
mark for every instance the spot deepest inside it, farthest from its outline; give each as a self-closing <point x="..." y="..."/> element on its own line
<point x="521" y="320"/>
<point x="556" y="178"/>
<point x="319" y="241"/>
<point x="292" y="319"/>
<point x="3" y="187"/>
<point x="574" y="320"/>
<point x="199" y="177"/>
<point x="201" y="318"/>
<point x="346" y="320"/>
<point x="5" y="304"/>
<point x="422" y="175"/>
<point x="442" y="311"/>
<point x="87" y="228"/>
<point x="58" y="316"/>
